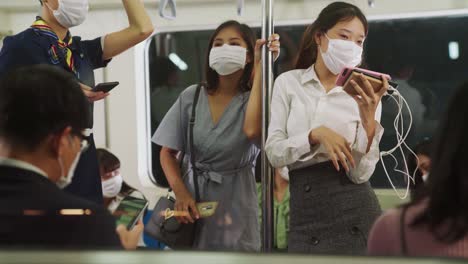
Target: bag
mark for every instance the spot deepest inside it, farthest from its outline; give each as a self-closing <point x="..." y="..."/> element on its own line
<point x="164" y="227"/>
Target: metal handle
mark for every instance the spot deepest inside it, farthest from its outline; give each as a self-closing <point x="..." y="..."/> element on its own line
<point x="267" y="87"/>
<point x="173" y="8"/>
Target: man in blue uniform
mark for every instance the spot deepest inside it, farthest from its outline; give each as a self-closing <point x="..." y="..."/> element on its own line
<point x="49" y="41"/>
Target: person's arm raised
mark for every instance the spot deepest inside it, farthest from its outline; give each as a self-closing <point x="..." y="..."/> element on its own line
<point x="140" y="28"/>
<point x="253" y="118"/>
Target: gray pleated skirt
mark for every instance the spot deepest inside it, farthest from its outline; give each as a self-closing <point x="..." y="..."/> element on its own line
<point x="328" y="213"/>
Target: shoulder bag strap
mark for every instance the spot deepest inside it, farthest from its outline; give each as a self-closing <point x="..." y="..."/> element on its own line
<point x="192" y="155"/>
<point x="192" y="150"/>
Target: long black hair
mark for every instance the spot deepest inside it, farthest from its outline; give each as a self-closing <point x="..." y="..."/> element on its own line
<point x="327" y="19"/>
<point x="212" y="77"/>
<point x="446" y="214"/>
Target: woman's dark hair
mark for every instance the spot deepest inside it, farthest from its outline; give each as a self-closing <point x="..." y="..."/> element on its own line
<point x="212" y="77"/>
<point x="327" y="19"/>
<point x="422" y="148"/>
<point x="107" y="161"/>
<point x="446" y="214"/>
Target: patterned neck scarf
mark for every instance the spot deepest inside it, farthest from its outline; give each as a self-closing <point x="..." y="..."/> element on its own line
<point x="64" y="45"/>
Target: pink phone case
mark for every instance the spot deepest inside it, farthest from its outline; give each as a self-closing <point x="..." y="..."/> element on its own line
<point x="344" y="75"/>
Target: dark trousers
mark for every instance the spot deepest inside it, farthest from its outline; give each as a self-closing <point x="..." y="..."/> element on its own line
<point x="87" y="180"/>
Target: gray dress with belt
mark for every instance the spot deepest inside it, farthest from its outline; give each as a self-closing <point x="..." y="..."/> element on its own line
<point x="225" y="158"/>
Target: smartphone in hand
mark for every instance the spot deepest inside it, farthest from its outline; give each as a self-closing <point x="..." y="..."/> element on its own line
<point x="105" y="87"/>
<point x="374" y="78"/>
<point x="130" y="211"/>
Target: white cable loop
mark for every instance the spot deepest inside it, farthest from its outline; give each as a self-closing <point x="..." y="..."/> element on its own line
<point x="401" y="137"/>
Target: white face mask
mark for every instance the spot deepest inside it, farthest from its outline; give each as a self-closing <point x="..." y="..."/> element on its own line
<point x="66" y="180"/>
<point x="228" y="59"/>
<point x="71" y="13"/>
<point x="341" y="54"/>
<point x="112" y="186"/>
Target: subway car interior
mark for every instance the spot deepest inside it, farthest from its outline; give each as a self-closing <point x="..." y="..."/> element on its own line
<point x="233" y="131"/>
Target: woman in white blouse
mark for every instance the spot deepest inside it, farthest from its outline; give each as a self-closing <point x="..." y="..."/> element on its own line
<point x="328" y="139"/>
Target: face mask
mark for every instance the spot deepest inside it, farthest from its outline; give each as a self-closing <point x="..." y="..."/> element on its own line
<point x="71" y="13"/>
<point x="112" y="186"/>
<point x="64" y="181"/>
<point x="341" y="54"/>
<point x="228" y="59"/>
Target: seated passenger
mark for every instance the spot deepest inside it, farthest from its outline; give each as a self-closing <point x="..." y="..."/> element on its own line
<point x="114" y="188"/>
<point x="436" y="223"/>
<point x="41" y="139"/>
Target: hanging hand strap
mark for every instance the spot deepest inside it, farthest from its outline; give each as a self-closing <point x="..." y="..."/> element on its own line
<point x="172" y="8"/>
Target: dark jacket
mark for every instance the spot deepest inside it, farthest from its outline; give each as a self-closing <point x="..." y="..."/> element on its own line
<point x="31" y="215"/>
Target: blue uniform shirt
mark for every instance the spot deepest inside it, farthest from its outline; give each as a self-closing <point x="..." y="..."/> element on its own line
<point x="32" y="47"/>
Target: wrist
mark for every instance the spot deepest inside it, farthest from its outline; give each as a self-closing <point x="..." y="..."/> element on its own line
<point x="179" y="189"/>
<point x="314" y="137"/>
<point x="370" y="127"/>
<point x="258" y="65"/>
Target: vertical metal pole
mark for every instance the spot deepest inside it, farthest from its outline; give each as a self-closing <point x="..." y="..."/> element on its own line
<point x="267" y="87"/>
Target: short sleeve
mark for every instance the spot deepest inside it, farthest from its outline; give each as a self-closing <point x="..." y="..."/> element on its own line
<point x="171" y="131"/>
<point x="94" y="53"/>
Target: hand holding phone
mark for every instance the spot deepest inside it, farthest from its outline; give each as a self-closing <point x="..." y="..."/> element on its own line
<point x="374" y="78"/>
<point x="91" y="95"/>
<point x="130" y="238"/>
<point x="130" y="211"/>
<point x="105" y="87"/>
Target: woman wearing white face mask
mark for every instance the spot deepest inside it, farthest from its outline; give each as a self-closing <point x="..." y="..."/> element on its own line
<point x="328" y="139"/>
<point x="114" y="188"/>
<point x="49" y="41"/>
<point x="223" y="144"/>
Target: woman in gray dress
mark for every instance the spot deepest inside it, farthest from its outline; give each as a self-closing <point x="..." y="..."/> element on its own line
<point x="226" y="128"/>
<point x="328" y="138"/>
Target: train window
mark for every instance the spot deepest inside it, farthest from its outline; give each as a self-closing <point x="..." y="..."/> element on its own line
<point x="426" y="56"/>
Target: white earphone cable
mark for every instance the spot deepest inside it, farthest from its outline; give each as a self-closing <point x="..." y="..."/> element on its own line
<point x="401" y="137"/>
